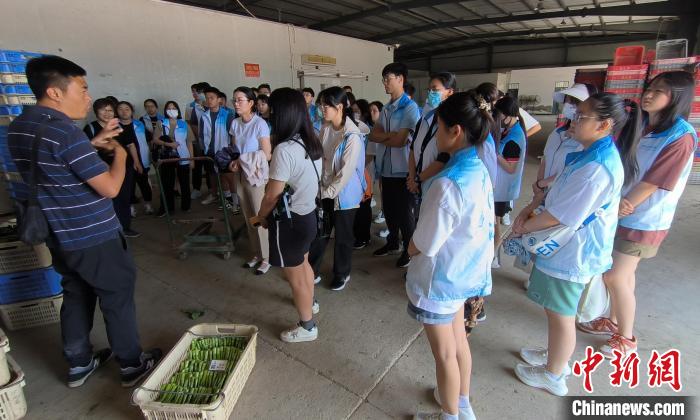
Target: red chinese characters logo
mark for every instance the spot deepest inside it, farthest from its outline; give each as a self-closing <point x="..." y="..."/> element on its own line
<point x="587" y="366"/>
<point x="665" y="369"/>
<point x="626" y="369"/>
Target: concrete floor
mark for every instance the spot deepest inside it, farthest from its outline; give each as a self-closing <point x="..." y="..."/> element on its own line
<point x="371" y="361"/>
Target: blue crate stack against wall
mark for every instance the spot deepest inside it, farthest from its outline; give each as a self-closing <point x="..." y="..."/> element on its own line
<point x="30" y="289"/>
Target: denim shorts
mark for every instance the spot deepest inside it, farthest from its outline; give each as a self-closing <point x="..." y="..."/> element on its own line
<point x="427" y="317"/>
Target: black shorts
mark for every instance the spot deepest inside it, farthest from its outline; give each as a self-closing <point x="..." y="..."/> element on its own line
<point x="502" y="208"/>
<point x="290" y="239"/>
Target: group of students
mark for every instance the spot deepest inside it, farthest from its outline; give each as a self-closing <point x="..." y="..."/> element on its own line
<point x="612" y="173"/>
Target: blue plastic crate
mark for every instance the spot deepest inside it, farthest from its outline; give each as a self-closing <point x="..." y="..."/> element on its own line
<point x="17" y="56"/>
<point x="29" y="285"/>
<point x="10" y="110"/>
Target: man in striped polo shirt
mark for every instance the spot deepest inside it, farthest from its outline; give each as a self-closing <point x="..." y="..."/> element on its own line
<point x="75" y="188"/>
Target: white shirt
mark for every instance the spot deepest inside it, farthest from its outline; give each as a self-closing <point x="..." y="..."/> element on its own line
<point x="559" y="144"/>
<point x="290" y="165"/>
<point x="247" y="135"/>
<point x="528" y="120"/>
<point x="431" y="151"/>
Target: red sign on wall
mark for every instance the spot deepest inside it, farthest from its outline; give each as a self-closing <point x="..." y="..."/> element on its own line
<point x="252" y="70"/>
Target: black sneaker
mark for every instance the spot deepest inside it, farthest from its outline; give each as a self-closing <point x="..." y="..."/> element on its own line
<point x="481" y="317"/>
<point x="386" y="250"/>
<point x="404" y="260"/>
<point x="130" y="233"/>
<point x="132" y="375"/>
<point x="360" y="244"/>
<point x="339" y="283"/>
<point x="77" y="376"/>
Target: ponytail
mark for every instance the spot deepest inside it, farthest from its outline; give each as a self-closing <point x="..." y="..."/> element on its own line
<point x="627" y="125"/>
<point x="470" y="111"/>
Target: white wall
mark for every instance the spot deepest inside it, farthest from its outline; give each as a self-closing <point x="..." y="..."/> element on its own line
<point x="136" y="49"/>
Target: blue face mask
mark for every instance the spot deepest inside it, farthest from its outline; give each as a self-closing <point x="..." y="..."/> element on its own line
<point x="434" y="99"/>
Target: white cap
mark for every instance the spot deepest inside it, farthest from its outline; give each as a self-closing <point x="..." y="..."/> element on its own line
<point x="578" y="91"/>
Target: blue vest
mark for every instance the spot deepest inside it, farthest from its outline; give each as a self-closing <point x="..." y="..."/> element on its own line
<point x="221" y="135"/>
<point x="487" y="153"/>
<point x="392" y="114"/>
<point x="180" y="137"/>
<point x="657" y="211"/>
<point x="351" y="195"/>
<point x="144" y="150"/>
<point x="507" y="185"/>
<point x="146" y="120"/>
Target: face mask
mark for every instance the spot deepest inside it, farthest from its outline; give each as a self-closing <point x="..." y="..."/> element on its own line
<point x="202" y="97"/>
<point x="434" y="99"/>
<point x="569" y="110"/>
<point x="356" y="116"/>
<point x="172" y="113"/>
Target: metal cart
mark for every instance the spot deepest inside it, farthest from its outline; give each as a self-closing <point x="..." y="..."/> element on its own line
<point x="201" y="238"/>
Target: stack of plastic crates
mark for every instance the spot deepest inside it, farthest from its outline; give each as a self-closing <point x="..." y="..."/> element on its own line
<point x="692" y="65"/>
<point x="13" y="404"/>
<point x="627" y="81"/>
<point x="14" y="90"/>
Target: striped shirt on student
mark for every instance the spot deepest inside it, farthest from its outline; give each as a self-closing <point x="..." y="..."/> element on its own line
<point x="78" y="216"/>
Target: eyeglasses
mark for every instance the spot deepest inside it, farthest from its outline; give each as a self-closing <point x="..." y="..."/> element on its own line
<point x="386" y="80"/>
<point x="578" y="117"/>
<point x="326" y="106"/>
<point x="241" y="101"/>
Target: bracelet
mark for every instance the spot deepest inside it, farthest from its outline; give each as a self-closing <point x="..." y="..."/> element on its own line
<point x="537" y="184"/>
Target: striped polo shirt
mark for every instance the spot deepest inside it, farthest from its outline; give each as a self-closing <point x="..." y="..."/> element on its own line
<point x="78" y="216"/>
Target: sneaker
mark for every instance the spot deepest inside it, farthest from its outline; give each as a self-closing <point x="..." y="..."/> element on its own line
<point x="404" y="260"/>
<point x="373" y="203"/>
<point x="538" y="357"/>
<point x="299" y="334"/>
<point x="383" y="233"/>
<point x="536" y="376"/>
<point x="495" y="263"/>
<point x="210" y="199"/>
<point x="252" y="263"/>
<point x="229" y="206"/>
<point x="195" y="194"/>
<point x="130" y="233"/>
<point x="386" y="250"/>
<point x="78" y="375"/>
<point x="315" y="308"/>
<point x="360" y="245"/>
<point x="430" y="416"/>
<point x="599" y="326"/>
<point x="481" y="316"/>
<point x="235" y="210"/>
<point x="505" y="220"/>
<point x="160" y="214"/>
<point x="339" y="283"/>
<point x="617" y="342"/>
<point x="132" y="375"/>
<point x="317" y="279"/>
<point x="464" y="413"/>
<point x="263" y="268"/>
<point x="149" y="209"/>
<point x="380" y="218"/>
<point x="133" y="211"/>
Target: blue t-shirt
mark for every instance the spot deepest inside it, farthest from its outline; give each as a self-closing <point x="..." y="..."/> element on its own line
<point x="78" y="216"/>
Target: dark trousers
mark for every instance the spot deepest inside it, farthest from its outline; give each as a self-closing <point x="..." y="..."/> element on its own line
<point x="198" y="170"/>
<point x="363" y="221"/>
<point x="141" y="180"/>
<point x="342" y="254"/>
<point x="122" y="202"/>
<point x="168" y="173"/>
<point x="105" y="271"/>
<point x="398" y="205"/>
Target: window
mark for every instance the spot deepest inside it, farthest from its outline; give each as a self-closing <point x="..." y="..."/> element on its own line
<point x="513" y="89"/>
<point x="556" y="107"/>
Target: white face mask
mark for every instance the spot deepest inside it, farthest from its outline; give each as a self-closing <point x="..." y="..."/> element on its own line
<point x="569" y="111"/>
<point x="172" y="113"/>
<point x="356" y="116"/>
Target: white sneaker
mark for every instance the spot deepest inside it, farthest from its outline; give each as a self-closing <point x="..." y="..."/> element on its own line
<point x="317" y="279"/>
<point x="149" y="209"/>
<point x="464" y="413"/>
<point x="210" y="199"/>
<point x="380" y="218"/>
<point x="430" y="416"/>
<point x="263" y="268"/>
<point x="133" y="211"/>
<point x="495" y="263"/>
<point x="299" y="334"/>
<point x="383" y="233"/>
<point x="253" y="262"/>
<point x="505" y="220"/>
<point x="373" y="203"/>
<point x="315" y="308"/>
<point x="195" y="194"/>
<point x="536" y="376"/>
<point x="538" y="357"/>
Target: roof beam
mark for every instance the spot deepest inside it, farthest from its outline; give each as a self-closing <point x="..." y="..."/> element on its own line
<point x="621" y="28"/>
<point x="666" y="8"/>
<point x="580" y="41"/>
<point x="380" y="10"/>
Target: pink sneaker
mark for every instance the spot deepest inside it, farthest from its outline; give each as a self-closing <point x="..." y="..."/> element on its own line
<point x="617" y="342"/>
<point x="599" y="326"/>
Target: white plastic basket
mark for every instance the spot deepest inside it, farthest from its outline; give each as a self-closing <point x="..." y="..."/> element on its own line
<point x="221" y="408"/>
<point x="13" y="405"/>
<point x="17" y="256"/>
<point x="4" y="368"/>
<point x="32" y="313"/>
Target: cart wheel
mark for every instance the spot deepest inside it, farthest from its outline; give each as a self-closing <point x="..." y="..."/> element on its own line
<point x="182" y="255"/>
<point x="226" y="255"/>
